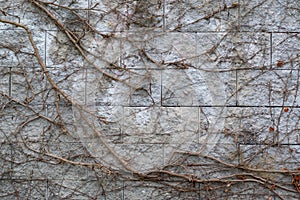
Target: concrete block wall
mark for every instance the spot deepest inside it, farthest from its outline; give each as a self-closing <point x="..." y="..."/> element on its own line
<point x="164" y="85"/>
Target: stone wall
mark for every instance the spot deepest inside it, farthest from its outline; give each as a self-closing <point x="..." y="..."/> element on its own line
<point x="157" y="99"/>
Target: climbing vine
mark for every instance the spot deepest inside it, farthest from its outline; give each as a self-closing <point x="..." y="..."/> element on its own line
<point x="159" y="99"/>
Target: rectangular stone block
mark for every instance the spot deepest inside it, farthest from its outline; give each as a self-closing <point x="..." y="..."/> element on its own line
<point x="290" y="196"/>
<point x="144" y="15"/>
<point x="137" y="157"/>
<point x="66" y="189"/>
<point x="213" y="120"/>
<point x="141" y="125"/>
<point x="32" y="16"/>
<point x="172" y="49"/>
<point x="138" y="50"/>
<point x="267" y="88"/>
<point x="145" y="87"/>
<point x="229" y="51"/>
<point x="108" y="15"/>
<point x="33" y="131"/>
<point x="123" y="15"/>
<point x="238" y="125"/>
<point x="28" y="85"/>
<point x="101" y="149"/>
<point x="114" y="92"/>
<point x="160" y="125"/>
<point x="211" y="51"/>
<point x="67" y="119"/>
<point x="11" y="119"/>
<point x="131" y="88"/>
<point x="282" y="158"/>
<point x="252" y="194"/>
<point x="72" y="14"/>
<point x="5" y="81"/>
<point x="18" y="189"/>
<point x="277" y="16"/>
<point x="102" y="49"/>
<point x="190" y="158"/>
<point x="193" y="87"/>
<point x="255" y="125"/>
<point x="5" y="159"/>
<point x="7" y="12"/>
<point x="208" y="51"/>
<point x="16" y="49"/>
<point x="29" y="165"/>
<point x="99" y="54"/>
<point x="84" y="86"/>
<point x="173" y="152"/>
<point x="138" y="191"/>
<point x="192" y="15"/>
<point x="141" y="157"/>
<point x="105" y="121"/>
<point x="66" y="81"/>
<point x="285" y="50"/>
<point x="101" y="121"/>
<point x="147" y="190"/>
<point x="60" y="52"/>
<point x="67" y="150"/>
<point x="288" y="124"/>
<point x="110" y="122"/>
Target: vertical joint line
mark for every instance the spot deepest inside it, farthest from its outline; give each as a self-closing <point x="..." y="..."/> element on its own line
<point x="236" y="88"/>
<point x="85" y="86"/>
<point x="271" y="49"/>
<point x="11" y="148"/>
<point x="239" y="15"/>
<point x="88" y="11"/>
<point x="199" y="126"/>
<point x="164" y="15"/>
<point x="239" y="153"/>
<point x="122" y="126"/>
<point x="9" y="82"/>
<point x="47" y="188"/>
<point x="45" y="47"/>
<point x="164" y="159"/>
<point x="47" y="113"/>
<point x="161" y="88"/>
<point x="123" y="190"/>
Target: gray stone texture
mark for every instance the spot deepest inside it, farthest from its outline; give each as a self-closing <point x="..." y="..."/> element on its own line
<point x="163" y="85"/>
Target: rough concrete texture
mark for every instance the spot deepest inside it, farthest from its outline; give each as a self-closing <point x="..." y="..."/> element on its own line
<point x="158" y="99"/>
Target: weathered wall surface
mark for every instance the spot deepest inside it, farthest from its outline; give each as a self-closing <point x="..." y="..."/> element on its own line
<point x="158" y="99"/>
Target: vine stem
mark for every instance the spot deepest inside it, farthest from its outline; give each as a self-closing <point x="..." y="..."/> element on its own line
<point x="67" y="97"/>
